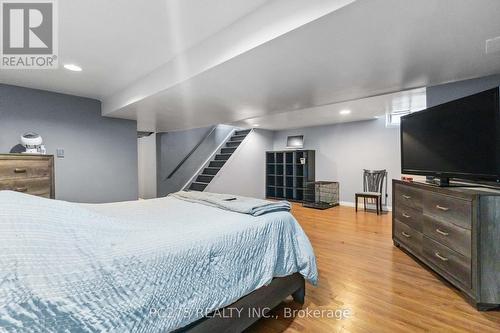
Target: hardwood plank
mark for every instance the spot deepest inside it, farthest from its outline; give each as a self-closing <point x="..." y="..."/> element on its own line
<point x="386" y="290"/>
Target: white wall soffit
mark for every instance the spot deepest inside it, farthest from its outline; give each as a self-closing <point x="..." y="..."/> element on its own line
<point x="264" y="24"/>
<point x="369" y="108"/>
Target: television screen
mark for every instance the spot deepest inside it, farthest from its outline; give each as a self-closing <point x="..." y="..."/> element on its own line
<point x="295" y="142"/>
<point x="459" y="139"/>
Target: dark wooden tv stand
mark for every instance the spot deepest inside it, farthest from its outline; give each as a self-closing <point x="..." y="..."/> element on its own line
<point x="465" y="183"/>
<point x="455" y="232"/>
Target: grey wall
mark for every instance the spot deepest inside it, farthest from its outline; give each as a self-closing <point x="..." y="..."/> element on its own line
<point x="447" y="92"/>
<point x="172" y="147"/>
<point x="146" y="151"/>
<point x="245" y="173"/>
<point x="344" y="150"/>
<point x="101" y="153"/>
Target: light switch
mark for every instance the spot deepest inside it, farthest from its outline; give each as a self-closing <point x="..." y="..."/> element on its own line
<point x="493" y="45"/>
<point x="60" y="152"/>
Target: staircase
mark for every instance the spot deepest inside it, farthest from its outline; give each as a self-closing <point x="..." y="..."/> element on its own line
<point x="214" y="166"/>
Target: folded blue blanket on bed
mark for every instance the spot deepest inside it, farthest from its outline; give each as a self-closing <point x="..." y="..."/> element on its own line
<point x="234" y="203"/>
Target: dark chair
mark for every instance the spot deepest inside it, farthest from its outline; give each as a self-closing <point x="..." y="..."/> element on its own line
<point x="373" y="187"/>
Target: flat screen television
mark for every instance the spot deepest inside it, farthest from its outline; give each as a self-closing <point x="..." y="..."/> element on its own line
<point x="458" y="139"/>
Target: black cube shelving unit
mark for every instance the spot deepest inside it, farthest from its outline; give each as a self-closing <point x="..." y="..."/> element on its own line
<point x="288" y="173"/>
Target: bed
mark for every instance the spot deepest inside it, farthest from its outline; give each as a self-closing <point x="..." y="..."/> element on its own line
<point x="144" y="266"/>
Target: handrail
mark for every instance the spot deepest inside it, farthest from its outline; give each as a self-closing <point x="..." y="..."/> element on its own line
<point x="207" y="161"/>
<point x="190" y="153"/>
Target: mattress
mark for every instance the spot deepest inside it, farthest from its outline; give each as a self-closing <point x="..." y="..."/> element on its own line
<point x="142" y="266"/>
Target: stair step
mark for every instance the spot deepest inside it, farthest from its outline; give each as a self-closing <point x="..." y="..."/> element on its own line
<point x="216" y="164"/>
<point x="233" y="143"/>
<point x="242" y="132"/>
<point x="238" y="137"/>
<point x="204" y="178"/>
<point x="197" y="186"/>
<point x="222" y="157"/>
<point x="211" y="171"/>
<point x="228" y="150"/>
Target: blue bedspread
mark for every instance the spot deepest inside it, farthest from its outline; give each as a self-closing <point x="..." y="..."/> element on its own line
<point x="145" y="266"/>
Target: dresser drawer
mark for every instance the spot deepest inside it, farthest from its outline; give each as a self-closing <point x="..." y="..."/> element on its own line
<point x="450" y="262"/>
<point x="450" y="209"/>
<point x="449" y="234"/>
<point x="409" y="216"/>
<point x="408" y="196"/>
<point x="19" y="168"/>
<point x="408" y="236"/>
<point x="35" y="186"/>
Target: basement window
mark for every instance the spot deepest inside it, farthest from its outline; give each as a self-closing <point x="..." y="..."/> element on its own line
<point x="411" y="101"/>
<point x="393" y="119"/>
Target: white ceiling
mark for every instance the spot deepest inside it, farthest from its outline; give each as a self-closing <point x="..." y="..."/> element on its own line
<point x="119" y="41"/>
<point x="367" y="48"/>
<point x="177" y="64"/>
<point x="264" y="24"/>
<point x="359" y="109"/>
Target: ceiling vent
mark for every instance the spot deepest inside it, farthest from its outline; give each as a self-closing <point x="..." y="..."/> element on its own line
<point x="493" y="45"/>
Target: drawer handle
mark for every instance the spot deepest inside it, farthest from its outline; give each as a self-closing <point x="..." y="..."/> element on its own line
<point x="19" y="170"/>
<point x="444" y="209"/>
<point x="406" y="197"/>
<point x="440" y="256"/>
<point x="406" y="216"/>
<point x="21" y="189"/>
<point x="442" y="232"/>
<point x="406" y="235"/>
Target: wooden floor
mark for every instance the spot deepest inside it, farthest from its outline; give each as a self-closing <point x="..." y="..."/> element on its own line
<point x="386" y="290"/>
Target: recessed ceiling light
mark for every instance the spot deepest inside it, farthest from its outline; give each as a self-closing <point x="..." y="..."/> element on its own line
<point x="345" y="112"/>
<point x="73" y="68"/>
<point x="256" y="125"/>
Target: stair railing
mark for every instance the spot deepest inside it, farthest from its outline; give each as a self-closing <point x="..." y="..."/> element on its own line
<point x="170" y="175"/>
<point x="205" y="164"/>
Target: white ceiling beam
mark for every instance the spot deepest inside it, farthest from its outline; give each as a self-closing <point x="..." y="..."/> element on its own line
<point x="264" y="24"/>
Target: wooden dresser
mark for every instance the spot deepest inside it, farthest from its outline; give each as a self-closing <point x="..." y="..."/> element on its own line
<point x="31" y="174"/>
<point x="455" y="232"/>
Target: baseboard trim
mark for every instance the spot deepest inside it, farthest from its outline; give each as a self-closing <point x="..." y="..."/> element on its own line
<point x="351" y="204"/>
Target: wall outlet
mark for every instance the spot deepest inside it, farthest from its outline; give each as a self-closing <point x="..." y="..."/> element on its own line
<point x="60" y="153"/>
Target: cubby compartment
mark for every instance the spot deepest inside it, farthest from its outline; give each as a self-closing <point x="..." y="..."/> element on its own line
<point x="289" y="158"/>
<point x="279" y="181"/>
<point x="289" y="170"/>
<point x="299" y="170"/>
<point x="298" y="156"/>
<point x="289" y="181"/>
<point x="279" y="170"/>
<point x="299" y="195"/>
<point x="299" y="182"/>
<point x="270" y="158"/>
<point x="279" y="158"/>
<point x="271" y="180"/>
<point x="271" y="169"/>
<point x="289" y="193"/>
<point x="271" y="191"/>
<point x="279" y="192"/>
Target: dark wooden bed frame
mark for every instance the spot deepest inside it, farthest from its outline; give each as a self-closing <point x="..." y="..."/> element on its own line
<point x="267" y="297"/>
